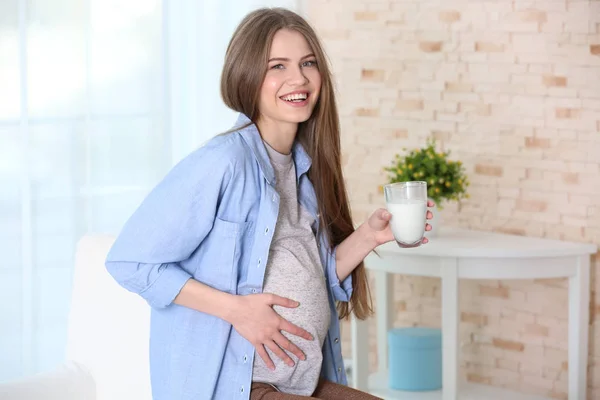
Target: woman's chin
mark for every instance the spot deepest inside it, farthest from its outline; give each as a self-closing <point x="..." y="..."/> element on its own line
<point x="298" y="116"/>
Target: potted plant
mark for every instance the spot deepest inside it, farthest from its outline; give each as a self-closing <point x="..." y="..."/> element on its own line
<point x="446" y="179"/>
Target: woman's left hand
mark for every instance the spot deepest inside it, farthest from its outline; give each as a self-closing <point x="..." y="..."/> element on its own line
<point x="379" y="223"/>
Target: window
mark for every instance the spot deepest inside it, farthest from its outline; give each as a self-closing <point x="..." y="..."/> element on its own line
<point x="98" y="99"/>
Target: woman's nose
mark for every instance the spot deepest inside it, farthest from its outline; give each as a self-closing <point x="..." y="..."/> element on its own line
<point x="297" y="77"/>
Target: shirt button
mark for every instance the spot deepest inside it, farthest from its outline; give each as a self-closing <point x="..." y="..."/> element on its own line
<point x="242" y="389"/>
<point x="274" y="197"/>
<point x="266" y="230"/>
<point x="245" y="358"/>
<point x="339" y="369"/>
<point x="337" y="340"/>
<point x="253" y="290"/>
<point x="259" y="261"/>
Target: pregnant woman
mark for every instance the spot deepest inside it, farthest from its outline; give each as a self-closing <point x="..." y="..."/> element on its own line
<point x="247" y="245"/>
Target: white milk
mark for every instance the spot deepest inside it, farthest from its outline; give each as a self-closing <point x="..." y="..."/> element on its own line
<point x="408" y="220"/>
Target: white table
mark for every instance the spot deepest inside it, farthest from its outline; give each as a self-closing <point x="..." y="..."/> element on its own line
<point x="463" y="254"/>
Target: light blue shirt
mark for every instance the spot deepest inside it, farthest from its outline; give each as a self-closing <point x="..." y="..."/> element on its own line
<point x="212" y="219"/>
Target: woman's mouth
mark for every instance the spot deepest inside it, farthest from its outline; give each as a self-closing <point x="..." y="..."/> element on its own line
<point x="296" y="99"/>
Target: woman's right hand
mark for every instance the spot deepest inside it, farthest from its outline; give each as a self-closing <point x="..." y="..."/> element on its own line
<point x="255" y="319"/>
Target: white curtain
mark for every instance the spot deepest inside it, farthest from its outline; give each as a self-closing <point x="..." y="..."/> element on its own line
<point x="98" y="99"/>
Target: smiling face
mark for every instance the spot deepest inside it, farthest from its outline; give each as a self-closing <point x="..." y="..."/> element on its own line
<point x="291" y="87"/>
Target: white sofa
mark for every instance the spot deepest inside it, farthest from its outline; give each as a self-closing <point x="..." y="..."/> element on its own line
<point x="107" y="349"/>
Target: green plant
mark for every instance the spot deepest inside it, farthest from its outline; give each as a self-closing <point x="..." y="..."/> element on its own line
<point x="446" y="179"/>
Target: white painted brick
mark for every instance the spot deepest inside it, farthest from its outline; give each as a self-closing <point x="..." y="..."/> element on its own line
<point x="592" y="104"/>
<point x="539" y="382"/>
<point x="432" y="86"/>
<point x="528" y="105"/>
<point x="525" y="79"/>
<point x="589" y="93"/>
<point x="515" y="68"/>
<point x="536" y="89"/>
<point x="563" y="172"/>
<point x="541" y="5"/>
<point x="474" y="58"/>
<point x="506" y="58"/>
<point x="529" y="368"/>
<point x="481" y="73"/>
<point x="540" y="69"/>
<point x="529" y="43"/>
<point x="554" y="24"/>
<point x="575" y="16"/>
<point x="562" y="92"/>
<point x="566" y="102"/>
<point x="576" y="211"/>
<point x="508" y="26"/>
<point x="422" y="115"/>
<point x="570" y="123"/>
<point x="566" y="134"/>
<point x="461" y="97"/>
<point x="508" y="192"/>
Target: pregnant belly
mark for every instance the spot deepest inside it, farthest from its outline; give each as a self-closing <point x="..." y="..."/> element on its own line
<point x="313" y="315"/>
<point x="298" y="277"/>
<point x="309" y="290"/>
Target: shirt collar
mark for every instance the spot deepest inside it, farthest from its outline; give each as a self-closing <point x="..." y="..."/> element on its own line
<point x="252" y="137"/>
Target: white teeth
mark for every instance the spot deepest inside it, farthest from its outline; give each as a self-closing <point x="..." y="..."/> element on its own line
<point x="297" y="96"/>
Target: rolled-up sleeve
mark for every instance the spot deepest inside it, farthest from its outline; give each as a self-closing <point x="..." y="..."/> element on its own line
<point x="168" y="227"/>
<point x="159" y="292"/>
<point x="342" y="291"/>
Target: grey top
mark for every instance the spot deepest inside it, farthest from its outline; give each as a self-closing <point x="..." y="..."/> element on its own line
<point x="294" y="270"/>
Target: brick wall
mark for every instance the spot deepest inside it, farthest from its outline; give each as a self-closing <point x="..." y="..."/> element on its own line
<point x="512" y="88"/>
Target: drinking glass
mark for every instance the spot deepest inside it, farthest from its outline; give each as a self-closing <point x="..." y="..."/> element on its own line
<point x="407" y="202"/>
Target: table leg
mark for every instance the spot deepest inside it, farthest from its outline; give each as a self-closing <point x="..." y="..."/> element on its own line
<point x="579" y="303"/>
<point x="360" y="353"/>
<point x="384" y="294"/>
<point x="450" y="310"/>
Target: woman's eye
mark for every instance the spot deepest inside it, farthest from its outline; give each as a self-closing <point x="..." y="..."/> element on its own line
<point x="277" y="66"/>
<point x="310" y="63"/>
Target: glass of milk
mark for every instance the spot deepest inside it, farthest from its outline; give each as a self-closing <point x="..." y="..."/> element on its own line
<point x="407" y="202"/>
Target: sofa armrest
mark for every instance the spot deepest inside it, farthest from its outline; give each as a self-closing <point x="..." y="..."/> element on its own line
<point x="69" y="381"/>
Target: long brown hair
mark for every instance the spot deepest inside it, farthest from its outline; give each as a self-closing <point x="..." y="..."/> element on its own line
<point x="245" y="68"/>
